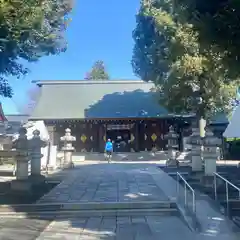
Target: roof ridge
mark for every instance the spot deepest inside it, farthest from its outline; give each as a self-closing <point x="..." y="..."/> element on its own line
<point x="80" y="82"/>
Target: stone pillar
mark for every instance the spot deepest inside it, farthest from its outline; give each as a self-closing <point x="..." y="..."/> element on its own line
<point x="172" y="146"/>
<point x="196" y="145"/>
<point x="67" y="148"/>
<point x="211" y="152"/>
<point x="35" y="145"/>
<point x="22" y="160"/>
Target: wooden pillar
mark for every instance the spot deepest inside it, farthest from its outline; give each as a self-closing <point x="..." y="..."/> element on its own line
<point x="101" y="135"/>
<point x="137" y="136"/>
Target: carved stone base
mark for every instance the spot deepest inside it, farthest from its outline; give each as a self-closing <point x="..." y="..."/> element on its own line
<point x="68" y="165"/>
<point x="172" y="163"/>
<point x="35" y="179"/>
<point x="51" y="168"/>
<point x="196" y="163"/>
<point x="207" y="181"/>
<point x="21" y="185"/>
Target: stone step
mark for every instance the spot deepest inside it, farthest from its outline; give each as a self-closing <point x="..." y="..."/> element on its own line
<point x="180" y="169"/>
<point x="174" y="174"/>
<point x="234" y="207"/>
<point x="236" y="220"/>
<point x="43" y="207"/>
<point x="232" y="204"/>
<point x="232" y="213"/>
<point x="92" y="213"/>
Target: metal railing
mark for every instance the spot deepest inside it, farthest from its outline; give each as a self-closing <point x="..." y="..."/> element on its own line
<point x="187" y="187"/>
<point x="227" y="185"/>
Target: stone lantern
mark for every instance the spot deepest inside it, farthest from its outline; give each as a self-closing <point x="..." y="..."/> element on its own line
<point x="35" y="145"/>
<point x="22" y="157"/>
<point x="195" y="141"/>
<point x="211" y="152"/>
<point x="67" y="148"/>
<point x="172" y="138"/>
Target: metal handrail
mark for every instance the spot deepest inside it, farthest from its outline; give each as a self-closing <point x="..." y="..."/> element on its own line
<point x="227" y="183"/>
<point x="186" y="185"/>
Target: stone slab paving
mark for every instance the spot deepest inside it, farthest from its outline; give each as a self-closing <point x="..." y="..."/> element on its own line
<point x="107" y="183"/>
<point x="95" y="228"/>
<point x="115" y="228"/>
<point x="100" y="228"/>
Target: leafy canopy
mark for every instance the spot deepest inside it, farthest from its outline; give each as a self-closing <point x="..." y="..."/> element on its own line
<point x="98" y="72"/>
<point x="173" y="49"/>
<point x="29" y="30"/>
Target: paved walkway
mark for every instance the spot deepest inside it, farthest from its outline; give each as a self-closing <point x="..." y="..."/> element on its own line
<point x="116" y="182"/>
<point x="107" y="183"/>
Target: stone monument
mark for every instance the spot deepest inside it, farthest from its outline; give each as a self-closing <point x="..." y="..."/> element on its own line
<point x="172" y="138"/>
<point x="67" y="148"/>
<point x="35" y="145"/>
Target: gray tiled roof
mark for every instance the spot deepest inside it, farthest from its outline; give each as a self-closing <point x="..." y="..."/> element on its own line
<point x="14" y="123"/>
<point x="21" y="118"/>
<point x="96" y="99"/>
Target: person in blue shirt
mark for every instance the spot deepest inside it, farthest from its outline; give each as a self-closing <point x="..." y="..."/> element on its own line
<point x="109" y="147"/>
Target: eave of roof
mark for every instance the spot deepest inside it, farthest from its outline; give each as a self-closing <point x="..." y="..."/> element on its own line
<point x="87" y="82"/>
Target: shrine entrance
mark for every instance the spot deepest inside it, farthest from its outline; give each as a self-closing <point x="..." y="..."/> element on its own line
<point x="120" y="135"/>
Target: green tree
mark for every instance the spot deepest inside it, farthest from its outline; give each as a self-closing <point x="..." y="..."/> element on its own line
<point x="29" y="30"/>
<point x="98" y="72"/>
<point x="217" y="24"/>
<point x="169" y="51"/>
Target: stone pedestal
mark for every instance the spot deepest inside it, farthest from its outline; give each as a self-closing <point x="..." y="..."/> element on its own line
<point x="67" y="163"/>
<point x="196" y="158"/>
<point x="68" y="149"/>
<point x="210" y="154"/>
<point x="196" y="143"/>
<point x="53" y="158"/>
<point x="36" y="163"/>
<point x="22" y="182"/>
<point x="22" y="166"/>
<point x="172" y="146"/>
<point x="21" y="185"/>
<point x="36" y="175"/>
<point x="172" y="161"/>
<point x="210" y="162"/>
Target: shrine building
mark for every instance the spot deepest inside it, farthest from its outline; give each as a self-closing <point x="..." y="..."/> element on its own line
<point x="97" y="110"/>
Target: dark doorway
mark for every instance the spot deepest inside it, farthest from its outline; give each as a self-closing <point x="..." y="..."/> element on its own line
<point x="120" y="138"/>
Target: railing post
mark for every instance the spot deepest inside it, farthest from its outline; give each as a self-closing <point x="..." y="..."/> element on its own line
<point x="194" y="206"/>
<point x="215" y="187"/>
<point x="178" y="187"/>
<point x="227" y="198"/>
<point x="185" y="194"/>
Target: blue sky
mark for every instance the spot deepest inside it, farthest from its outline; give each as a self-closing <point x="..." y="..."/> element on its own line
<point x="100" y="30"/>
